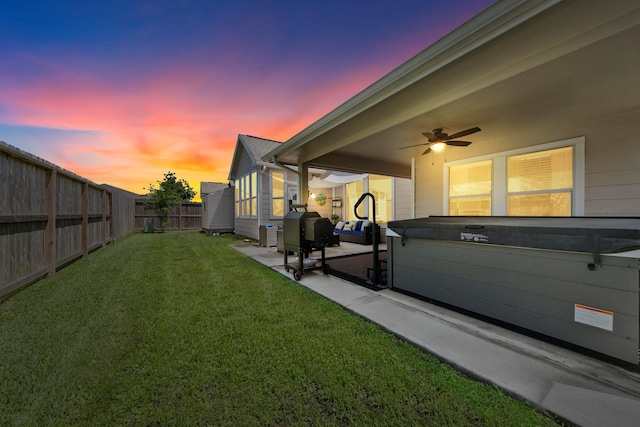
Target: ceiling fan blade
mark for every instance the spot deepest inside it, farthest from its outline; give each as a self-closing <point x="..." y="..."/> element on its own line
<point x="432" y="137"/>
<point x="427" y="151"/>
<point x="416" y="145"/>
<point x="464" y="133"/>
<point x="458" y="143"/>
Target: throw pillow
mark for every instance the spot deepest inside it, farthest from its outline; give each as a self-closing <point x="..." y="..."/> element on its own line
<point x="340" y="225"/>
<point x="347" y="227"/>
<point x="358" y="226"/>
<point x="365" y="223"/>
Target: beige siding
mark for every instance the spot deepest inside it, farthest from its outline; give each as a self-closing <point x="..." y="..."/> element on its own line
<point x="612" y="156"/>
<point x="429" y="181"/>
<point x="325" y="210"/>
<point x="245" y="165"/>
<point x="612" y="171"/>
<point x="247" y="227"/>
<point x="402" y="195"/>
<point x="264" y="195"/>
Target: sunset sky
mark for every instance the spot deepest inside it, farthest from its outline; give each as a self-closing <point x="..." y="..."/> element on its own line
<point x="121" y="92"/>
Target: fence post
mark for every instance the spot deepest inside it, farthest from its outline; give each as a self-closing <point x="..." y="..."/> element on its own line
<point x="103" y="211"/>
<point x="112" y="216"/>
<point x="85" y="219"/>
<point x="50" y="229"/>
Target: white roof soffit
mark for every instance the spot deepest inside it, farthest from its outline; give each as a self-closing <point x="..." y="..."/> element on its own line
<point x="482" y="28"/>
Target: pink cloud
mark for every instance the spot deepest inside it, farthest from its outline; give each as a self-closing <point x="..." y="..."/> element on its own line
<point x="183" y="118"/>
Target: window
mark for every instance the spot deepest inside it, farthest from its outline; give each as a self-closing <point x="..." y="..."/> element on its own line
<point x="353" y="191"/>
<point x="541" y="183"/>
<point x="547" y="180"/>
<point x="277" y="194"/>
<point x="382" y="189"/>
<point x="470" y="189"/>
<point x="246" y="190"/>
<point x="237" y="197"/>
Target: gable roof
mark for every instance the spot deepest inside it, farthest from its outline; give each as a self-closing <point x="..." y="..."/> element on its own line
<point x="207" y="187"/>
<point x="254" y="147"/>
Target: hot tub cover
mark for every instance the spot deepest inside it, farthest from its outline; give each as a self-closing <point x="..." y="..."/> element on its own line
<point x="578" y="234"/>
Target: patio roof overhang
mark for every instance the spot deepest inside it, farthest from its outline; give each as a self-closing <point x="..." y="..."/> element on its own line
<point x="508" y="67"/>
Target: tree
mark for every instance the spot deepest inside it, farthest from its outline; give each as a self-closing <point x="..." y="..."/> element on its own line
<point x="171" y="192"/>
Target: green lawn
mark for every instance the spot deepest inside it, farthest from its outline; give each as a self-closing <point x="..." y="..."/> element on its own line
<point x="180" y="329"/>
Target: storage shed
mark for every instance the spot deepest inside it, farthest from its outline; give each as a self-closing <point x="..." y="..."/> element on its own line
<point x="217" y="207"/>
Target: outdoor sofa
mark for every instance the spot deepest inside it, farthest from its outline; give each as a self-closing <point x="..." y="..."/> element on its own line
<point x="355" y="231"/>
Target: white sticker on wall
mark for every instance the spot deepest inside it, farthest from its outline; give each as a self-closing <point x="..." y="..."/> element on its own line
<point x="592" y="316"/>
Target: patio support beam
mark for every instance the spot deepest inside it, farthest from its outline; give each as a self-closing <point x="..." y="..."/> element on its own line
<point x="303" y="183"/>
<point x="281" y="165"/>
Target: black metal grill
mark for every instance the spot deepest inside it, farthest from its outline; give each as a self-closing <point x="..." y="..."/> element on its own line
<point x="302" y="233"/>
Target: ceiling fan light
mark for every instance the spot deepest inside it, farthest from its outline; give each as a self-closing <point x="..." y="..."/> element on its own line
<point x="438" y="146"/>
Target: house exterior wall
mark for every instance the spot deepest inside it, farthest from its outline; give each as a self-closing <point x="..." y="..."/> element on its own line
<point x="245" y="226"/>
<point x="265" y="194"/>
<point x="264" y="197"/>
<point x="612" y="176"/>
<point x="249" y="227"/>
<point x="402" y="198"/>
<point x="612" y="171"/>
<point x="596" y="104"/>
<point x="245" y="165"/>
<point x="324" y="210"/>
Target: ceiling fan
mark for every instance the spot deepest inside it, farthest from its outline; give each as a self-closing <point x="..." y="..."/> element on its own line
<point x="438" y="136"/>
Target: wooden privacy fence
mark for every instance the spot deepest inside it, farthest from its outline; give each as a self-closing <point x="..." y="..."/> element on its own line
<point x="50" y="217"/>
<point x="187" y="216"/>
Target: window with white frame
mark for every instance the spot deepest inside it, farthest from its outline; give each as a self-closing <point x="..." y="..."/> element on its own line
<point x="540" y="183"/>
<point x="277" y="194"/>
<point x="546" y="180"/>
<point x="470" y="189"/>
<point x="246" y="191"/>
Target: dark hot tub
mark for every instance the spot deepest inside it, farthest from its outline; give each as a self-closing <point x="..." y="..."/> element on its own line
<point x="575" y="279"/>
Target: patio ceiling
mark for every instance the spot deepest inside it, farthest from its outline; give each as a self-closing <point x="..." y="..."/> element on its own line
<point x="503" y="71"/>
